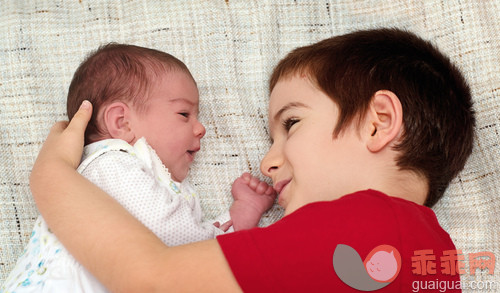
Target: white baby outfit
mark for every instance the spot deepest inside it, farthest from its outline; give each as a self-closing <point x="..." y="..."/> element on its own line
<point x="137" y="179"/>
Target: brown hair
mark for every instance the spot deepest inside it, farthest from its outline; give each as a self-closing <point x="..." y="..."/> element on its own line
<point x="117" y="72"/>
<point x="438" y="117"/>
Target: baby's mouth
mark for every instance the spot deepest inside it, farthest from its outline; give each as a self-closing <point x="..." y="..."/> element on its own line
<point x="193" y="152"/>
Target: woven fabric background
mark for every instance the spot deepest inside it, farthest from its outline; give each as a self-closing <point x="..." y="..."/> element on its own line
<point x="231" y="47"/>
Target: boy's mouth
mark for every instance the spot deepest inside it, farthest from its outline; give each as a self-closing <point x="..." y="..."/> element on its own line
<point x="281" y="185"/>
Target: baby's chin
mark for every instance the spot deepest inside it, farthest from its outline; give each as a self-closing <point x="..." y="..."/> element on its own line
<point x="179" y="176"/>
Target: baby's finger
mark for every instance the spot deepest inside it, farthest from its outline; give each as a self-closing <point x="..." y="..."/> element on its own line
<point x="261" y="188"/>
<point x="224" y="227"/>
<point x="270" y="191"/>
<point x="254" y="182"/>
<point x="246" y="176"/>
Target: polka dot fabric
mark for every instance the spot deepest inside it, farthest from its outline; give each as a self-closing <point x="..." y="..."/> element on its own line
<point x="136" y="178"/>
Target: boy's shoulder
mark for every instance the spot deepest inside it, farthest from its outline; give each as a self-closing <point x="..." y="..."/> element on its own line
<point x="371" y="202"/>
<point x="372" y="217"/>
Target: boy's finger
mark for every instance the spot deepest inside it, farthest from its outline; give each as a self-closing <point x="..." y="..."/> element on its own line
<point x="59" y="126"/>
<point x="81" y="118"/>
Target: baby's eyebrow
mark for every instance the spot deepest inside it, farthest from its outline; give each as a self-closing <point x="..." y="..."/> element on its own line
<point x="184" y="100"/>
<point x="288" y="107"/>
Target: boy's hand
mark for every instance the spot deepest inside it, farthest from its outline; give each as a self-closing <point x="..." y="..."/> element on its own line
<point x="252" y="197"/>
<point x="64" y="144"/>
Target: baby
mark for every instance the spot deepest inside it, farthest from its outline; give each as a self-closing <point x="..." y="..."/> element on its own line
<point x="139" y="146"/>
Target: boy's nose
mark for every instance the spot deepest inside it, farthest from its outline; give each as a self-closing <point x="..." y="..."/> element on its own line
<point x="271" y="162"/>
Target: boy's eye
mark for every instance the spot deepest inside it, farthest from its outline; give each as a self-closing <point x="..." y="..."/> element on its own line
<point x="288" y="123"/>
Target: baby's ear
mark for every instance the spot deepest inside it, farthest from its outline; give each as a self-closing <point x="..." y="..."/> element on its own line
<point x="117" y="121"/>
<point x="385" y="120"/>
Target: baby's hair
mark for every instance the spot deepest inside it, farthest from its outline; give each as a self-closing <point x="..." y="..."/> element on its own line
<point x="438" y="116"/>
<point x="118" y="72"/>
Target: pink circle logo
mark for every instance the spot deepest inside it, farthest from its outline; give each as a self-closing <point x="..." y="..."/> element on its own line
<point x="383" y="263"/>
<point x="380" y="267"/>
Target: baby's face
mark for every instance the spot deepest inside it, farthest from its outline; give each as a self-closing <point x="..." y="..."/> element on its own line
<point x="306" y="163"/>
<point x="170" y="124"/>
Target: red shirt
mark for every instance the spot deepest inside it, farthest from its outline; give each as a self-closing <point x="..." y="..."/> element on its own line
<point x="296" y="253"/>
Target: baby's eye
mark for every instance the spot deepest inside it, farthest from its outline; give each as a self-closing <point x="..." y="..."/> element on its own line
<point x="185" y="114"/>
<point x="288" y="123"/>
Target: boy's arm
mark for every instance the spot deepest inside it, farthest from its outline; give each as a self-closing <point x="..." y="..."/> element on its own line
<point x="105" y="238"/>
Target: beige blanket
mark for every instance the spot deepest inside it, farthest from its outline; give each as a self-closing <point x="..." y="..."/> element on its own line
<point x="231" y="46"/>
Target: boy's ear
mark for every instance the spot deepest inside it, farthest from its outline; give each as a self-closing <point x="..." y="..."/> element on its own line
<point x="117" y="121"/>
<point x="385" y="118"/>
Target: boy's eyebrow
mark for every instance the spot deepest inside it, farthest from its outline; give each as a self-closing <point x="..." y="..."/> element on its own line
<point x="288" y="107"/>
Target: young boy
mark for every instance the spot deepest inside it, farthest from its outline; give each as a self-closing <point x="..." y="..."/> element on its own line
<point x="140" y="143"/>
<point x="364" y="128"/>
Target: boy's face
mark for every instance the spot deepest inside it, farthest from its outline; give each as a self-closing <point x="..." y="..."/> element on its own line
<point x="170" y="123"/>
<point x="306" y="163"/>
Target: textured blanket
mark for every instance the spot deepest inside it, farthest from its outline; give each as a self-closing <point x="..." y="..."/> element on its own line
<point x="231" y="47"/>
